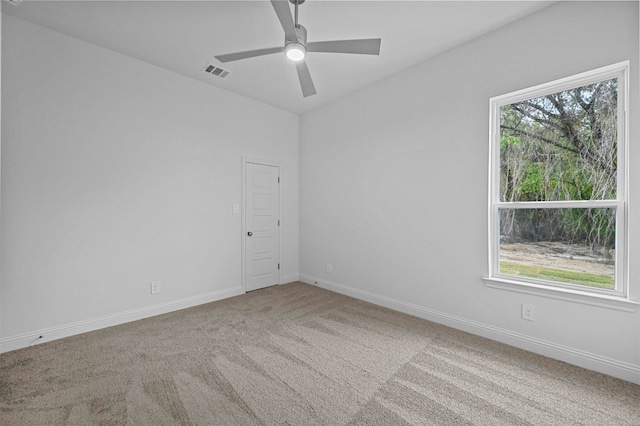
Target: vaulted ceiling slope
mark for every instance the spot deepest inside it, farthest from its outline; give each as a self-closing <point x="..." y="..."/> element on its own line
<point x="184" y="37"/>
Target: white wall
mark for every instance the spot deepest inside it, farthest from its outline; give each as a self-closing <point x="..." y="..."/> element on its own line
<point x="116" y="173"/>
<point x="393" y="186"/>
<point x="0" y="164"/>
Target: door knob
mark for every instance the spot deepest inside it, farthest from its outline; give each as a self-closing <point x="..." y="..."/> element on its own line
<point x="250" y="233"/>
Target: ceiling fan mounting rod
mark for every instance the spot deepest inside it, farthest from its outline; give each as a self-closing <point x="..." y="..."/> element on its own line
<point x="296" y="3"/>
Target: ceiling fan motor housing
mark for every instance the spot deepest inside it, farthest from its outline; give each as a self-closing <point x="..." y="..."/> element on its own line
<point x="301" y="32"/>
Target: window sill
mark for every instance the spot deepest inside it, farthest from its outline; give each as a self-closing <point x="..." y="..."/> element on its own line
<point x="603" y="301"/>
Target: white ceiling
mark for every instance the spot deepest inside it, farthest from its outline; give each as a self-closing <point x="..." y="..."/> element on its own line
<point x="183" y="36"/>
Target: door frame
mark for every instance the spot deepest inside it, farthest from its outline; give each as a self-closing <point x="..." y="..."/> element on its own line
<point x="243" y="212"/>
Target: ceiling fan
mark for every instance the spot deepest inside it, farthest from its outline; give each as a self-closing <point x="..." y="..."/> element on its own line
<point x="296" y="46"/>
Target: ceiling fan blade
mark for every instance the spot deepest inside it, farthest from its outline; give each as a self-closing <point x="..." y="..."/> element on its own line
<point x="308" y="89"/>
<point x="286" y="20"/>
<point x="248" y="54"/>
<point x="367" y="46"/>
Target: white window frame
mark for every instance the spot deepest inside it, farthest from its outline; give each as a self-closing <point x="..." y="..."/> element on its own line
<point x="617" y="298"/>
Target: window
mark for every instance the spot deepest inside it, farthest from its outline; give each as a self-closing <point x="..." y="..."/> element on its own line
<point x="557" y="206"/>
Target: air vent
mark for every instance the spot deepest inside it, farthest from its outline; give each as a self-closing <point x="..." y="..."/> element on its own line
<point x="215" y="70"/>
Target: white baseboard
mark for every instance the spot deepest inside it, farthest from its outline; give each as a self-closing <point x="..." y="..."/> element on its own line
<point x="66" y="330"/>
<point x="590" y="361"/>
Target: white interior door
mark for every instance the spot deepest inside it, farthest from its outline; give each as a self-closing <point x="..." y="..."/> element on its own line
<point x="262" y="225"/>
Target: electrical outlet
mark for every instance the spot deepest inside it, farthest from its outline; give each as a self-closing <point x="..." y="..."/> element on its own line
<point x="329" y="268"/>
<point x="528" y="312"/>
<point x="155" y="287"/>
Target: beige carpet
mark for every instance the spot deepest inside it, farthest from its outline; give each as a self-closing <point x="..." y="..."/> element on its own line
<point x="299" y="355"/>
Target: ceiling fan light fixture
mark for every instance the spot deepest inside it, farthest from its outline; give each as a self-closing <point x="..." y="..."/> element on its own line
<point x="295" y="51"/>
